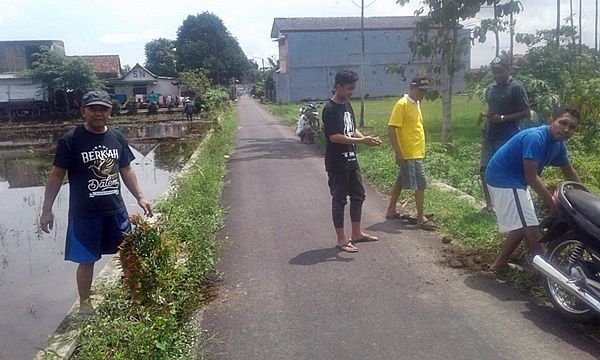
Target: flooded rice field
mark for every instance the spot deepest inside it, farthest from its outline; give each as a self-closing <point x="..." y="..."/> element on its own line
<point x="37" y="287"/>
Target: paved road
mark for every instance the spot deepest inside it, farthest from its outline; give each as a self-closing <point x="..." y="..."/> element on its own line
<point x="288" y="293"/>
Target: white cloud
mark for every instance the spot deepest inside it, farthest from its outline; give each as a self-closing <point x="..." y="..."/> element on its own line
<point x="125" y="27"/>
<point x="10" y="10"/>
<point x="129" y="38"/>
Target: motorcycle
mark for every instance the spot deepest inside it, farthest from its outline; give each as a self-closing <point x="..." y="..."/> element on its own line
<point x="311" y="112"/>
<point x="308" y="119"/>
<point x="571" y="265"/>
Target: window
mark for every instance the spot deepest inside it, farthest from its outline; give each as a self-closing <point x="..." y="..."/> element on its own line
<point x="140" y="90"/>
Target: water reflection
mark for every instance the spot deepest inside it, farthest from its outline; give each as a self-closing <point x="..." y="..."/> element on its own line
<point x="28" y="165"/>
<point x="37" y="286"/>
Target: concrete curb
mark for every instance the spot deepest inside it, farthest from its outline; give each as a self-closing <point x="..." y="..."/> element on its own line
<point x="62" y="343"/>
<point x="459" y="194"/>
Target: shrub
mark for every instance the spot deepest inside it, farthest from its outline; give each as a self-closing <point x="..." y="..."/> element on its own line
<point x="131" y="106"/>
<point x="116" y="108"/>
<point x="152" y="108"/>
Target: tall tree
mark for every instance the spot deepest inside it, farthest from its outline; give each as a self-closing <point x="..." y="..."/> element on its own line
<point x="557" y="23"/>
<point x="160" y="57"/>
<point x="437" y="38"/>
<point x="571" y="16"/>
<point x="203" y="42"/>
<point x="496" y="30"/>
<point x="596" y="29"/>
<point x="497" y="24"/>
<point x="59" y="73"/>
<point x="580" y="28"/>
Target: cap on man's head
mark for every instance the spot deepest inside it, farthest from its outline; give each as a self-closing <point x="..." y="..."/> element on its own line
<point x="97" y="97"/>
<point x="500" y="62"/>
<point x="421" y="82"/>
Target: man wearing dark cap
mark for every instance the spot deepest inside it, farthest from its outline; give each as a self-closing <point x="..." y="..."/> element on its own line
<point x="507" y="104"/>
<point x="407" y="136"/>
<point x="93" y="155"/>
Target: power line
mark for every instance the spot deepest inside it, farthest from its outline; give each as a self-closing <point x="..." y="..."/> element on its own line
<point x="366" y="6"/>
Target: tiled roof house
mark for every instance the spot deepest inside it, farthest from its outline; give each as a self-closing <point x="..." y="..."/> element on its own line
<point x="106" y="66"/>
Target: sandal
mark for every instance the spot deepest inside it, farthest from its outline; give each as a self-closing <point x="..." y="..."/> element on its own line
<point x="427" y="225"/>
<point x="395" y="216"/>
<point x="366" y="238"/>
<point x="347" y="247"/>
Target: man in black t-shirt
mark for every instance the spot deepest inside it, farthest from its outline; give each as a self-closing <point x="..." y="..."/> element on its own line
<point x="507" y="104"/>
<point x="93" y="155"/>
<point x="341" y="164"/>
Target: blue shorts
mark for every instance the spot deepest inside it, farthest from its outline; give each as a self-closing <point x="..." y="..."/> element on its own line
<point x="89" y="238"/>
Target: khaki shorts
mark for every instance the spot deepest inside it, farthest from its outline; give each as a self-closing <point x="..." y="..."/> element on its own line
<point x="411" y="175"/>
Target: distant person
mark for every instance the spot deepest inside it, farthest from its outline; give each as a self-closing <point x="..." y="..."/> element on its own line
<point x="407" y="136"/>
<point x="233" y="95"/>
<point x="93" y="155"/>
<point x="518" y="165"/>
<point x="341" y="163"/>
<point x="189" y="109"/>
<point x="304" y="130"/>
<point x="507" y="105"/>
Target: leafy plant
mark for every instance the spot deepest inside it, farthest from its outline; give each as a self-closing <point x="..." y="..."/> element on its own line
<point x="152" y="108"/>
<point x="131" y="106"/>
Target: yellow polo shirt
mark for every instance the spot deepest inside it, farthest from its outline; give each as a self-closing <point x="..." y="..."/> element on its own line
<point x="407" y="119"/>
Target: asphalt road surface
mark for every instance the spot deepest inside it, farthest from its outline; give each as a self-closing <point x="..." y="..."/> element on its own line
<point x="288" y="293"/>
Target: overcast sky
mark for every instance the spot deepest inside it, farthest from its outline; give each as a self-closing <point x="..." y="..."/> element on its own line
<point x="123" y="27"/>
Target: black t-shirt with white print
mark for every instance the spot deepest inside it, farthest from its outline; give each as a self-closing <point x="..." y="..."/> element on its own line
<point x="339" y="119"/>
<point x="93" y="162"/>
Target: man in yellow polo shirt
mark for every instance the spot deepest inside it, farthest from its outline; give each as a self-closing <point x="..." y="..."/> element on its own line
<point x="405" y="129"/>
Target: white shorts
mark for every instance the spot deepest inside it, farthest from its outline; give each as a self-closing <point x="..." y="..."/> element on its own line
<point x="514" y="208"/>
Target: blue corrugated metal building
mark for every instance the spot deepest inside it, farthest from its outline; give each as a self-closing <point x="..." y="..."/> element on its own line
<point x="313" y="49"/>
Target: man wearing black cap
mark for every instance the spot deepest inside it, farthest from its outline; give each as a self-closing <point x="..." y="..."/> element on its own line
<point x="93" y="155"/>
<point x="407" y="136"/>
<point x="507" y="104"/>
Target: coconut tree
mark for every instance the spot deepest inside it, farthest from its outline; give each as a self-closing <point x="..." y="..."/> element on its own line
<point x="557" y="23"/>
<point x="580" y="33"/>
<point x="596" y="29"/>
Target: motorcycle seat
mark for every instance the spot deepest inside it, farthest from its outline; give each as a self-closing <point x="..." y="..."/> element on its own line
<point x="586" y="203"/>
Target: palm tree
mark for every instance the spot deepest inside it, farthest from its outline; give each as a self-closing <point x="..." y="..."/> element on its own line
<point x="596" y="29"/>
<point x="496" y="33"/>
<point x="557" y="23"/>
<point x="571" y="16"/>
<point x="580" y="33"/>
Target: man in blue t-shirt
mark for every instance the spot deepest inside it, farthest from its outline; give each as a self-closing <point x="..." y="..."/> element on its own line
<point x="93" y="155"/>
<point x="518" y="165"/>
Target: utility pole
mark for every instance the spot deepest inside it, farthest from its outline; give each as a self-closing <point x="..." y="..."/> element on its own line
<point x="362" y="64"/>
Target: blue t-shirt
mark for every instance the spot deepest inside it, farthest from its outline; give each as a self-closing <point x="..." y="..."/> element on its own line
<point x="505" y="169"/>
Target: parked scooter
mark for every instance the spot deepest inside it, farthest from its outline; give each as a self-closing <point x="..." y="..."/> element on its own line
<point x="308" y="123"/>
<point x="311" y="112"/>
<point x="571" y="265"/>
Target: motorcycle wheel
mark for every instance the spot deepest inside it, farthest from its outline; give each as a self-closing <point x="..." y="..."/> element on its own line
<point x="558" y="253"/>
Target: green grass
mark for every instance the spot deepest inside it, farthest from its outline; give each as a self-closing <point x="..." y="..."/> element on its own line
<point x="456" y="165"/>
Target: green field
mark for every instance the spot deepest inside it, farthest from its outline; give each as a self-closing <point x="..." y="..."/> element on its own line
<point x="456" y="165"/>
